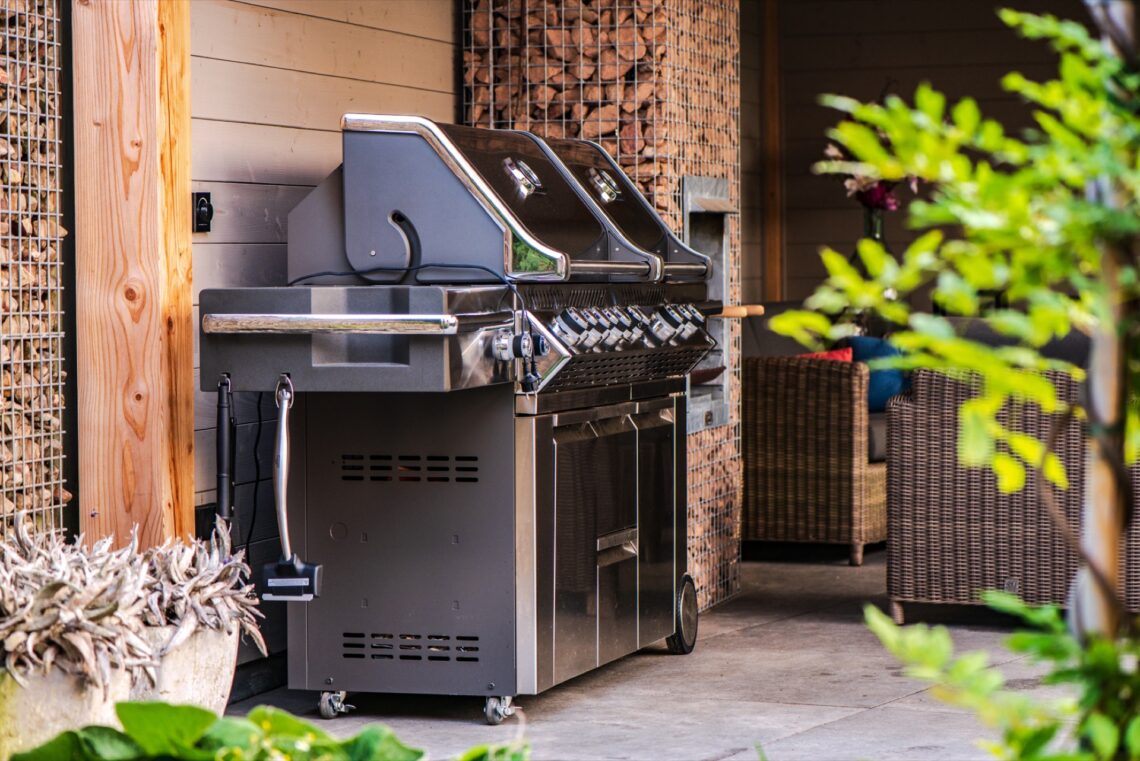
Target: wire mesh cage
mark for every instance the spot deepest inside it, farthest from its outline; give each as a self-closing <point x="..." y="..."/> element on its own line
<point x="657" y="84"/>
<point x="32" y="371"/>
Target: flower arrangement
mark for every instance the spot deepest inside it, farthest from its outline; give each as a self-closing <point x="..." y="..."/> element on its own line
<point x="866" y="186"/>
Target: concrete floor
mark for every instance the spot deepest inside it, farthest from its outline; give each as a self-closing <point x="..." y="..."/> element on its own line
<point x="786" y="666"/>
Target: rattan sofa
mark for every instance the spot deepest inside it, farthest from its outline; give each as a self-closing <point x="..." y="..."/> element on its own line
<point x="805" y="439"/>
<point x="951" y="534"/>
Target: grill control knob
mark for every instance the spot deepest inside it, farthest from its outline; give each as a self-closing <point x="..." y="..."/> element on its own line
<point x="671" y="316"/>
<point x="661" y="330"/>
<point x="570" y="327"/>
<point x="642" y="326"/>
<point x="601" y="317"/>
<point x="507" y="346"/>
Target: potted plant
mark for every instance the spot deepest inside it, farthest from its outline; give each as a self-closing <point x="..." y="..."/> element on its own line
<point x="71" y="633"/>
<point x="198" y="602"/>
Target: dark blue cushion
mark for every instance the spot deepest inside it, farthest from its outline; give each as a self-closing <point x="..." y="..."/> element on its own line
<point x="884" y="383"/>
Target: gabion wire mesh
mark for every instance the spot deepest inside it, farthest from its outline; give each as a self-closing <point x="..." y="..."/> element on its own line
<point x="657" y="84"/>
<point x="32" y="371"/>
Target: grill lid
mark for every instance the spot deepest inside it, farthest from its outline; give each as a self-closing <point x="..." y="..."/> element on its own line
<point x="619" y="200"/>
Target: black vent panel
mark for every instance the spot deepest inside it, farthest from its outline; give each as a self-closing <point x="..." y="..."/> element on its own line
<point x="410" y="647"/>
<point x="409" y="468"/>
<point x="625" y="367"/>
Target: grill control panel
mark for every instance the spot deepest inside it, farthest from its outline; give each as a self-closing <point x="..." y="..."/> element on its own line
<point x="620" y="328"/>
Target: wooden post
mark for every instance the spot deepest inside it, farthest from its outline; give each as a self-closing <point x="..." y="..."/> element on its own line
<point x="1092" y="610"/>
<point x="773" y="150"/>
<point x="133" y="267"/>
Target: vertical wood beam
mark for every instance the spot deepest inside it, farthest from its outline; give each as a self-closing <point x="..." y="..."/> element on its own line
<point x="773" y="152"/>
<point x="133" y="267"/>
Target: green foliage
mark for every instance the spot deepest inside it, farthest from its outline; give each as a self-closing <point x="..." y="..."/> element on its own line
<point x="1003" y="213"/>
<point x="1102" y="721"/>
<point x="187" y="733"/>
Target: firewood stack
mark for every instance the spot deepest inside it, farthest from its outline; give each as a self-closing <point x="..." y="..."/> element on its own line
<point x="656" y="83"/>
<point x="649" y="80"/>
<point x="31" y="329"/>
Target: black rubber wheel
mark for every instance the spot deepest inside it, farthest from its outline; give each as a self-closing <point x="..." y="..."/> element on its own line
<point x="331" y="704"/>
<point x="684" y="636"/>
<point x="493" y="711"/>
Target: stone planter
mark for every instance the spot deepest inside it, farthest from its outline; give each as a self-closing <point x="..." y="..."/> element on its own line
<point x="57" y="702"/>
<point x="198" y="672"/>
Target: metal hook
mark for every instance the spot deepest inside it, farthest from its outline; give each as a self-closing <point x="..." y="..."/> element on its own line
<point x="284" y="391"/>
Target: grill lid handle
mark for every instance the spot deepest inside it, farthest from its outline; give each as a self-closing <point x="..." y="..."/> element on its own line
<point x="375" y="324"/>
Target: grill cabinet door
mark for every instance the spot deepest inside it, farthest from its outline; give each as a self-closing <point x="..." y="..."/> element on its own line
<point x="656" y="523"/>
<point x="595" y="494"/>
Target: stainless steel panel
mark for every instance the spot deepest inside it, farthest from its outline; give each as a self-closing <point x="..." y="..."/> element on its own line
<point x="617" y="608"/>
<point x="658" y="502"/>
<point x="575" y="574"/>
<point x="411" y="513"/>
<point x="377" y="324"/>
<point x="534" y="552"/>
<point x="479" y="188"/>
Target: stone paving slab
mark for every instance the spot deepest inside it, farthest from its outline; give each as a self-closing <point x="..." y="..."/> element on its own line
<point x="787" y="665"/>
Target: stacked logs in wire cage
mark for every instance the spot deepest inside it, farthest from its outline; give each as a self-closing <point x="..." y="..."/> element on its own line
<point x="593" y="69"/>
<point x="31" y="309"/>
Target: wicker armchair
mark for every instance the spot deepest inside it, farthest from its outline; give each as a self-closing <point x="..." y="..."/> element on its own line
<point x="805" y="440"/>
<point x="951" y="533"/>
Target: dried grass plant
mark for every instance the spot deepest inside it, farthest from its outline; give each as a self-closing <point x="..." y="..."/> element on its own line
<point x="204" y="584"/>
<point x="85" y="609"/>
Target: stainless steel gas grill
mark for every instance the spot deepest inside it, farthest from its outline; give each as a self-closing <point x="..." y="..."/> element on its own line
<point x="481" y="368"/>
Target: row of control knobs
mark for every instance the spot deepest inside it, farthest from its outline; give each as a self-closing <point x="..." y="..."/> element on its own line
<point x="626" y="327"/>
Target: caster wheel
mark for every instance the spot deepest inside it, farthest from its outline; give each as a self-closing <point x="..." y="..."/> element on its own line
<point x="332" y="704"/>
<point x="684" y="636"/>
<point x="497" y="709"/>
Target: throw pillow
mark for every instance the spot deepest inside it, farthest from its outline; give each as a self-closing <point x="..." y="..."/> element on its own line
<point x="838" y="355"/>
<point x="884" y="383"/>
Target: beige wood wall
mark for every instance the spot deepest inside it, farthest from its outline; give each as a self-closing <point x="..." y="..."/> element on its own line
<point x="864" y="48"/>
<point x="270" y="80"/>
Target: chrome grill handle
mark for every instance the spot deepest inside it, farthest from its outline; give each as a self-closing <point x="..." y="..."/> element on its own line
<point x="374" y="324"/>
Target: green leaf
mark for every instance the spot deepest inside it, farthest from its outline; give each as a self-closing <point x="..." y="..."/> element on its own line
<point x="64" y="747"/>
<point x="274" y="722"/>
<point x="1102" y="733"/>
<point x="1010" y="473"/>
<point x="231" y="733"/>
<point x="163" y="729"/>
<point x="966" y="116"/>
<point x="107" y="744"/>
<point x="1132" y="738"/>
<point x="975" y="442"/>
<point x="930" y="101"/>
<point x="377" y="743"/>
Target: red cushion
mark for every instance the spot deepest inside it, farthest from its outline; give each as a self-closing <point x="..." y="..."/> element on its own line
<point x="838" y="355"/>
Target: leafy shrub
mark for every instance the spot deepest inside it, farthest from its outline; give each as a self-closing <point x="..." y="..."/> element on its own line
<point x="187" y="733"/>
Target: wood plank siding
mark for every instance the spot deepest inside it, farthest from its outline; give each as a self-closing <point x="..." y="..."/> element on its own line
<point x="866" y="48"/>
<point x="270" y="80"/>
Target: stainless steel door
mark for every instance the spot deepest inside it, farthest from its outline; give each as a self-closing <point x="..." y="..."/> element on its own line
<point x="656" y="521"/>
<point x="595" y="606"/>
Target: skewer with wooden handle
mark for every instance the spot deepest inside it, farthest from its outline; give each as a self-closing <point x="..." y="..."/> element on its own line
<point x="740" y="311"/>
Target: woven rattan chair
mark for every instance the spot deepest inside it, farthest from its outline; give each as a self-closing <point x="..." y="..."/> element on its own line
<point x="805" y="439"/>
<point x="951" y="533"/>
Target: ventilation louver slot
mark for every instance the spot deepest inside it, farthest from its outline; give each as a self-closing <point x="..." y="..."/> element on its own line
<point x="625" y="367"/>
<point x="383" y="646"/>
<point x="410" y="468"/>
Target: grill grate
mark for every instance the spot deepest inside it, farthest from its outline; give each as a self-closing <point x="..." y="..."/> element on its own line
<point x="410" y="468"/>
<point x="425" y="648"/>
